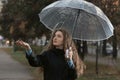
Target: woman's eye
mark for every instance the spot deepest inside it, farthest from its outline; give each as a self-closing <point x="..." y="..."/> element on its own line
<point x="59" y="36"/>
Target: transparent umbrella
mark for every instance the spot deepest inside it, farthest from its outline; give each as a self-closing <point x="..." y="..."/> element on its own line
<point x="82" y="19"/>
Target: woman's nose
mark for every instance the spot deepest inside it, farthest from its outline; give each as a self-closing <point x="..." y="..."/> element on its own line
<point x="55" y="38"/>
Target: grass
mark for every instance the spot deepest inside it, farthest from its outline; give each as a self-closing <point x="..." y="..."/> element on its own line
<point x="105" y="72"/>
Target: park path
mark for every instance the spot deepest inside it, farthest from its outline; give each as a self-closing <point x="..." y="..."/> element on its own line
<point x="11" y="69"/>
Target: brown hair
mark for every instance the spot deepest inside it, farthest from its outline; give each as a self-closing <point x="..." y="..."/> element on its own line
<point x="79" y="65"/>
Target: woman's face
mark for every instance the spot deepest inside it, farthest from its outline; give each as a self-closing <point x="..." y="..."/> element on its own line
<point x="58" y="39"/>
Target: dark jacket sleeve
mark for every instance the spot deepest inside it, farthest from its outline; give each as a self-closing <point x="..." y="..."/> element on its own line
<point x="71" y="70"/>
<point x="36" y="60"/>
<point x="72" y="73"/>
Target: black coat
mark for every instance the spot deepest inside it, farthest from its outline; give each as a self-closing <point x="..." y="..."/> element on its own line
<point x="54" y="64"/>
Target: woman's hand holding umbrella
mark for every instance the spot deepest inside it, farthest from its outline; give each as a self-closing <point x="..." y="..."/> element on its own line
<point x="69" y="53"/>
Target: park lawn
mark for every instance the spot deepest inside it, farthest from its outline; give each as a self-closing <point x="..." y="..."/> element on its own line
<point x="105" y="72"/>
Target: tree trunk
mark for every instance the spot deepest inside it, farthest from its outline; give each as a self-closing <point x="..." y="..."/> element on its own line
<point x="104" y="52"/>
<point x="85" y="48"/>
<point x="114" y="54"/>
<point x="82" y="48"/>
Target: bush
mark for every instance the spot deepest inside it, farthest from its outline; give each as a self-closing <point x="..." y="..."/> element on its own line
<point x="17" y="48"/>
<point x="37" y="49"/>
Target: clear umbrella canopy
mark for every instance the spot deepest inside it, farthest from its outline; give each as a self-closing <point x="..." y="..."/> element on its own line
<point x="82" y="19"/>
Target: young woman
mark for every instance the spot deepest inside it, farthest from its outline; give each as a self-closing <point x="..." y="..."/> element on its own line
<point x="56" y="65"/>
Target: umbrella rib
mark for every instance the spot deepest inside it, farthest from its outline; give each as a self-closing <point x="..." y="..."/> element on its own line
<point x="102" y="27"/>
<point x="75" y="22"/>
<point x="51" y="19"/>
<point x="64" y="21"/>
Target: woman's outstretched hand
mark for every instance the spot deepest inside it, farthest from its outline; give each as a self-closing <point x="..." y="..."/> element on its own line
<point x="23" y="44"/>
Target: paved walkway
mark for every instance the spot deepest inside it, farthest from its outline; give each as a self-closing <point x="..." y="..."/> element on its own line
<point x="11" y="69"/>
